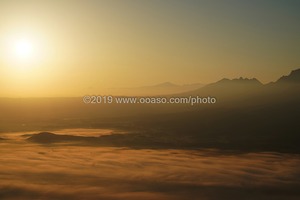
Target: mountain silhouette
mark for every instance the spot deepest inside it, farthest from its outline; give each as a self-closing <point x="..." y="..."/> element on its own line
<point x="240" y="80"/>
<point x="228" y="89"/>
<point x="234" y="84"/>
<point x="293" y="77"/>
<point x="165" y="84"/>
<point x="245" y="90"/>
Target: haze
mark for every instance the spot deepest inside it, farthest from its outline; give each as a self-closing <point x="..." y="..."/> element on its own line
<point x="89" y="46"/>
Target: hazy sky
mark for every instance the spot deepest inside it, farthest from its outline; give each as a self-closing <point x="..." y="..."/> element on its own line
<point x="70" y="48"/>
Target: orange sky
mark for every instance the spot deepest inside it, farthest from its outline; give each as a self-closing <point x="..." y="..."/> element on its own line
<point x="79" y="47"/>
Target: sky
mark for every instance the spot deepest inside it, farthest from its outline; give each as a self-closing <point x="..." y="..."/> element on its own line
<point x="71" y="48"/>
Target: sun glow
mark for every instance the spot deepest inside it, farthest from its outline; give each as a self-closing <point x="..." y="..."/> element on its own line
<point x="23" y="56"/>
<point x="23" y="49"/>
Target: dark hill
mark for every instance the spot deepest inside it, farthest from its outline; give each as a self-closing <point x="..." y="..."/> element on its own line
<point x="47" y="138"/>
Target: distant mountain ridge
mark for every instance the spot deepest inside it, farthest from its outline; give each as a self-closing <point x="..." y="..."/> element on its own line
<point x="244" y="89"/>
<point x="230" y="86"/>
<point x="293" y="77"/>
<point x="240" y="80"/>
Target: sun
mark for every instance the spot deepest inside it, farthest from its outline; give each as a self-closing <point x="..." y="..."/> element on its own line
<point x="23" y="54"/>
<point x="23" y="49"/>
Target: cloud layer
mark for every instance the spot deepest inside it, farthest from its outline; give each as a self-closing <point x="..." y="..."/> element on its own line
<point x="30" y="171"/>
